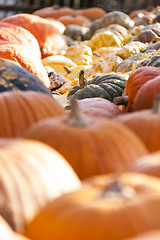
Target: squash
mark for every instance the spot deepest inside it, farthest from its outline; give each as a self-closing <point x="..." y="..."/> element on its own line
<point x="90" y="145"/>
<point x="126" y="64"/>
<point x="98" y="107"/>
<point x="76" y="32"/>
<point x="75" y="19"/>
<point x="114" y="17"/>
<point x="6" y="232"/>
<point x="107" y="86"/>
<point x="148" y="164"/>
<point x="144" y="98"/>
<point x="151" y="235"/>
<point x="19" y="35"/>
<point x="131" y="48"/>
<point x="153" y="61"/>
<point x="13" y="78"/>
<point x="25" y="58"/>
<point x="56" y="78"/>
<point x="92" y="13"/>
<point x="105" y="207"/>
<point x="145" y="123"/>
<point x="32" y="174"/>
<point x="146" y="36"/>
<point x="135" y="81"/>
<point x="19" y="110"/>
<point x="54" y="11"/>
<point x="49" y="38"/>
<point x="81" y="54"/>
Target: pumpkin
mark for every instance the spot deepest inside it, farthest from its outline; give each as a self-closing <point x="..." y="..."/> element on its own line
<point x="145" y="123"/>
<point x="92" y="13"/>
<point x="56" y="78"/>
<point x="91" y="146"/>
<point x="17" y="34"/>
<point x="54" y="11"/>
<point x="135" y="81"/>
<point x="75" y="32"/>
<point x="58" y="25"/>
<point x="105" y="207"/>
<point x="24" y="57"/>
<point x="104" y="65"/>
<point x="146" y="36"/>
<point x="74" y="19"/>
<point x="145" y="97"/>
<point x="151" y="235"/>
<point x="7" y="233"/>
<point x="48" y="37"/>
<point x="98" y="107"/>
<point x="105" y="39"/>
<point x="19" y="110"/>
<point x="32" y="174"/>
<point x="148" y="164"/>
<point x="81" y="54"/>
<point x="13" y="77"/>
<point x="154" y="45"/>
<point x="156" y="18"/>
<point x="136" y="12"/>
<point x="153" y="61"/>
<point x="114" y="17"/>
<point x="126" y="64"/>
<point x="108" y="86"/>
<point x="131" y="48"/>
<point x="58" y="62"/>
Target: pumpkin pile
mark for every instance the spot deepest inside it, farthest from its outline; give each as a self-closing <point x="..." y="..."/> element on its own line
<point x="79" y="124"/>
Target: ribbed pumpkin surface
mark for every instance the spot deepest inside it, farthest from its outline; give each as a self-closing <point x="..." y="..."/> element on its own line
<point x="107" y="86"/>
<point x="19" y="110"/>
<point x="31" y="174"/>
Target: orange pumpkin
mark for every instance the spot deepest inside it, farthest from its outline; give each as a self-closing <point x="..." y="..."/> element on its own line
<point x="48" y="37"/>
<point x="7" y="233"/>
<point x="145" y="123"/>
<point x="58" y="25"/>
<point x="92" y="13"/>
<point x="24" y="57"/>
<point x="19" y="110"/>
<point x="91" y="146"/>
<point x="54" y="11"/>
<point x="31" y="175"/>
<point x="16" y="34"/>
<point x="149" y="164"/>
<point x="135" y="81"/>
<point x="145" y="97"/>
<point x="148" y="235"/>
<point x="75" y="19"/>
<point x="105" y="207"/>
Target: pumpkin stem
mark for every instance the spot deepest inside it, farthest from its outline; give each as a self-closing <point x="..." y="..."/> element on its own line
<point x="82" y="80"/>
<point x="122" y="100"/>
<point x="67" y="69"/>
<point x="116" y="189"/>
<point x="76" y="117"/>
<point x="156" y="104"/>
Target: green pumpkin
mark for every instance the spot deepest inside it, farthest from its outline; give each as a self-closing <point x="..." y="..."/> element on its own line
<point x="107" y="86"/>
<point x="153" y="61"/>
<point x="13" y="77"/>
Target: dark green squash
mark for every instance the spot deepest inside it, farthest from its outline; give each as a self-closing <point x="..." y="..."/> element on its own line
<point x="153" y="61"/>
<point x="114" y="17"/>
<point x="13" y="77"/>
<point x="107" y="86"/>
